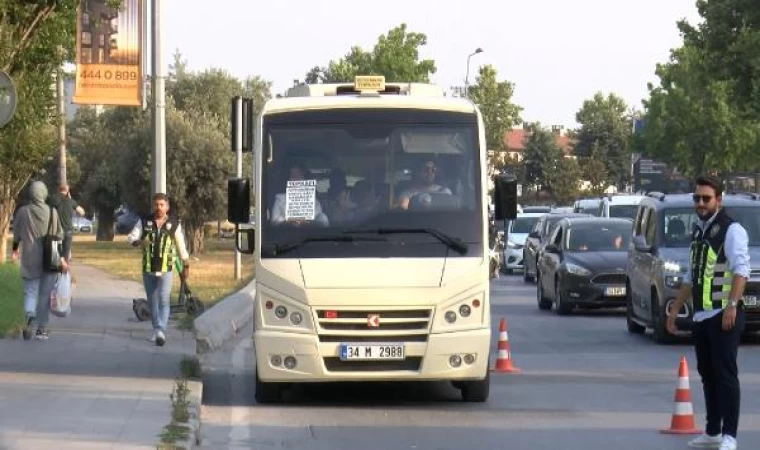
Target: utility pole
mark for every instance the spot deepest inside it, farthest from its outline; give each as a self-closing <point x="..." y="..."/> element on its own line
<point x="159" y="103"/>
<point x="238" y="170"/>
<point x="61" y="129"/>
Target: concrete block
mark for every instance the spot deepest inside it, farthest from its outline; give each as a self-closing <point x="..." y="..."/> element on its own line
<point x="222" y="322"/>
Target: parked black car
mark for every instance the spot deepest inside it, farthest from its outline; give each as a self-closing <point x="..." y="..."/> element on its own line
<point x="536" y="240"/>
<point x="583" y="264"/>
<point x="658" y="258"/>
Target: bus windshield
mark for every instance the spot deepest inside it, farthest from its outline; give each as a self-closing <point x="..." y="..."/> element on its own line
<point x="348" y="183"/>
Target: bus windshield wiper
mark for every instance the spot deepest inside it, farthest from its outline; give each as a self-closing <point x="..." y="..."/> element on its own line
<point x="284" y="248"/>
<point x="451" y="242"/>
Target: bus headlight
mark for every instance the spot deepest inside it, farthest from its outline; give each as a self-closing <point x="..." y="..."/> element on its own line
<point x="282" y="313"/>
<point x="462" y="313"/>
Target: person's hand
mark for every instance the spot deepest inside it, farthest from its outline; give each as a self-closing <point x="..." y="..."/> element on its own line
<point x="729" y="318"/>
<point x="64" y="265"/>
<point x="15" y="255"/>
<point x="185" y="274"/>
<point x="670" y="323"/>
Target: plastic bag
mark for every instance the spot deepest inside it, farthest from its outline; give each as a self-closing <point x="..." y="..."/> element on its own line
<point x="60" y="296"/>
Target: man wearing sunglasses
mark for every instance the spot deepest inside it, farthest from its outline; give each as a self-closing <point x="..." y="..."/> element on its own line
<point x="718" y="270"/>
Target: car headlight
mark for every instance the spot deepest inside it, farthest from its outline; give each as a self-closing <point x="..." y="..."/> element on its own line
<point x="671" y="266"/>
<point x="275" y="311"/>
<point x="577" y="270"/>
<point x="673" y="281"/>
<point x="464" y="312"/>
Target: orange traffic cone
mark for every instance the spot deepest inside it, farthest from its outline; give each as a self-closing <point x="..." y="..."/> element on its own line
<point x="504" y="357"/>
<point x="683" y="416"/>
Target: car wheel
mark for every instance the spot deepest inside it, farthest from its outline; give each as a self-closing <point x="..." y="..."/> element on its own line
<point x="544" y="303"/>
<point x="563" y="307"/>
<point x="659" y="318"/>
<point x="633" y="327"/>
<point x="476" y="391"/>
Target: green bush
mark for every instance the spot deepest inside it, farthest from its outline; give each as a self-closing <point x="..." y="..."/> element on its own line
<point x="11" y="300"/>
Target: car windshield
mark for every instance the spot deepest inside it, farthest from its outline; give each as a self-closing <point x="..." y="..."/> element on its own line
<point x="523" y="225"/>
<point x="677" y="224"/>
<point x="325" y="173"/>
<point x="624" y="211"/>
<point x="598" y="237"/>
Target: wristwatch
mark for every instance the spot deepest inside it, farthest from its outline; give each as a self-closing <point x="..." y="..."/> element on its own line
<point x="733" y="303"/>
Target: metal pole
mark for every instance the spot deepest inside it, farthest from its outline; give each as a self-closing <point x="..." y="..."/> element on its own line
<point x="467" y="79"/>
<point x="238" y="171"/>
<point x="159" y="104"/>
<point x="61" y="130"/>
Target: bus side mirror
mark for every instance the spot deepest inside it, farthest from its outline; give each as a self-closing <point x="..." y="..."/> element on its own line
<point x="239" y="200"/>
<point x="245" y="239"/>
<point x="505" y="198"/>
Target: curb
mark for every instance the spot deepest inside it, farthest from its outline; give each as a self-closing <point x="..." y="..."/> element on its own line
<point x="222" y="322"/>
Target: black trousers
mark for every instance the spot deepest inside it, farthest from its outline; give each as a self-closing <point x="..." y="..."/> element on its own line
<point x="716" y="363"/>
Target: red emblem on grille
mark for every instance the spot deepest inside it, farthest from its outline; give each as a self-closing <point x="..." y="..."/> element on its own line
<point x="373" y="320"/>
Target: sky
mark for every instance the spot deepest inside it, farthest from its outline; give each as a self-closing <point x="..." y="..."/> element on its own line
<point x="557" y="52"/>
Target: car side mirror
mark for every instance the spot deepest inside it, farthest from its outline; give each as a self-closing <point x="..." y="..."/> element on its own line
<point x="505" y="198"/>
<point x="640" y="244"/>
<point x="239" y="200"/>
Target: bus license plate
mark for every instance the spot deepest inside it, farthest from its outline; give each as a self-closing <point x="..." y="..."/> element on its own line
<point x="750" y="300"/>
<point x="615" y="291"/>
<point x="372" y="352"/>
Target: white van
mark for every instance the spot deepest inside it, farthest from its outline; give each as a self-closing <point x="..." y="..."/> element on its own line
<point x="623" y="206"/>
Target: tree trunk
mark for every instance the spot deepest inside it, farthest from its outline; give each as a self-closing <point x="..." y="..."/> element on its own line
<point x="195" y="238"/>
<point x="105" y="225"/>
<point x="7" y="206"/>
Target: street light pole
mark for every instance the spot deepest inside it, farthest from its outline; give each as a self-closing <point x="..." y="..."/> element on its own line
<point x="467" y="76"/>
<point x="159" y="104"/>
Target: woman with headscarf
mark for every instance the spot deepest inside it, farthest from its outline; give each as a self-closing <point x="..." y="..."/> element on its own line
<point x="29" y="231"/>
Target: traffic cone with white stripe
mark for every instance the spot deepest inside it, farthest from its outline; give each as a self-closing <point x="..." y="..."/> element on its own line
<point x="504" y="357"/>
<point x="682" y="421"/>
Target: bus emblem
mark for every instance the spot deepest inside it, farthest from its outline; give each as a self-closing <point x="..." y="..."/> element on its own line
<point x="373" y="320"/>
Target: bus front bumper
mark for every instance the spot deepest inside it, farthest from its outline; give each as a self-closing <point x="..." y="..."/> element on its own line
<point x="317" y="361"/>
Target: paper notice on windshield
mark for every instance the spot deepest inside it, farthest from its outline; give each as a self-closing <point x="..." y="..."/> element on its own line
<point x="301" y="200"/>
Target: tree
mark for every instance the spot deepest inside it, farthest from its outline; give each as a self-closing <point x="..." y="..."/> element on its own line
<point x="690" y="122"/>
<point x="35" y="39"/>
<point x="198" y="164"/>
<point x="98" y="142"/>
<point x="540" y="155"/>
<point x="561" y="178"/>
<point x="395" y="56"/>
<point x="605" y="134"/>
<point x="594" y="171"/>
<point x="500" y="114"/>
<point x="729" y="39"/>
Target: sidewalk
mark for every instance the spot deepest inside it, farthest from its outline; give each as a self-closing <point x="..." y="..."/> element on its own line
<point x="97" y="383"/>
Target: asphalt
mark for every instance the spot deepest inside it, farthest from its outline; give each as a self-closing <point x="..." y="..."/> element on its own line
<point x="97" y="383"/>
<point x="585" y="384"/>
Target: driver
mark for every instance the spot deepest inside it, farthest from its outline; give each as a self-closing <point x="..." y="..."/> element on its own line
<point x="424" y="183"/>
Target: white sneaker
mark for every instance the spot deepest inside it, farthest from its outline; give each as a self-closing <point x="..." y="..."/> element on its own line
<point x="729" y="443"/>
<point x="152" y="337"/>
<point x="160" y="338"/>
<point x="707" y="441"/>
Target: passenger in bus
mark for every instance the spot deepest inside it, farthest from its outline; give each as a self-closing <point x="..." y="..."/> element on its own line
<point x="424" y="183"/>
<point x="296" y="172"/>
<point x="338" y="202"/>
<point x="365" y="201"/>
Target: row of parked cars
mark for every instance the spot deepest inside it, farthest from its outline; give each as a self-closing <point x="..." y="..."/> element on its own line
<point x="580" y="260"/>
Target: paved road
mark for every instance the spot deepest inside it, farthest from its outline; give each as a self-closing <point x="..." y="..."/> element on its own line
<point x="586" y="384"/>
